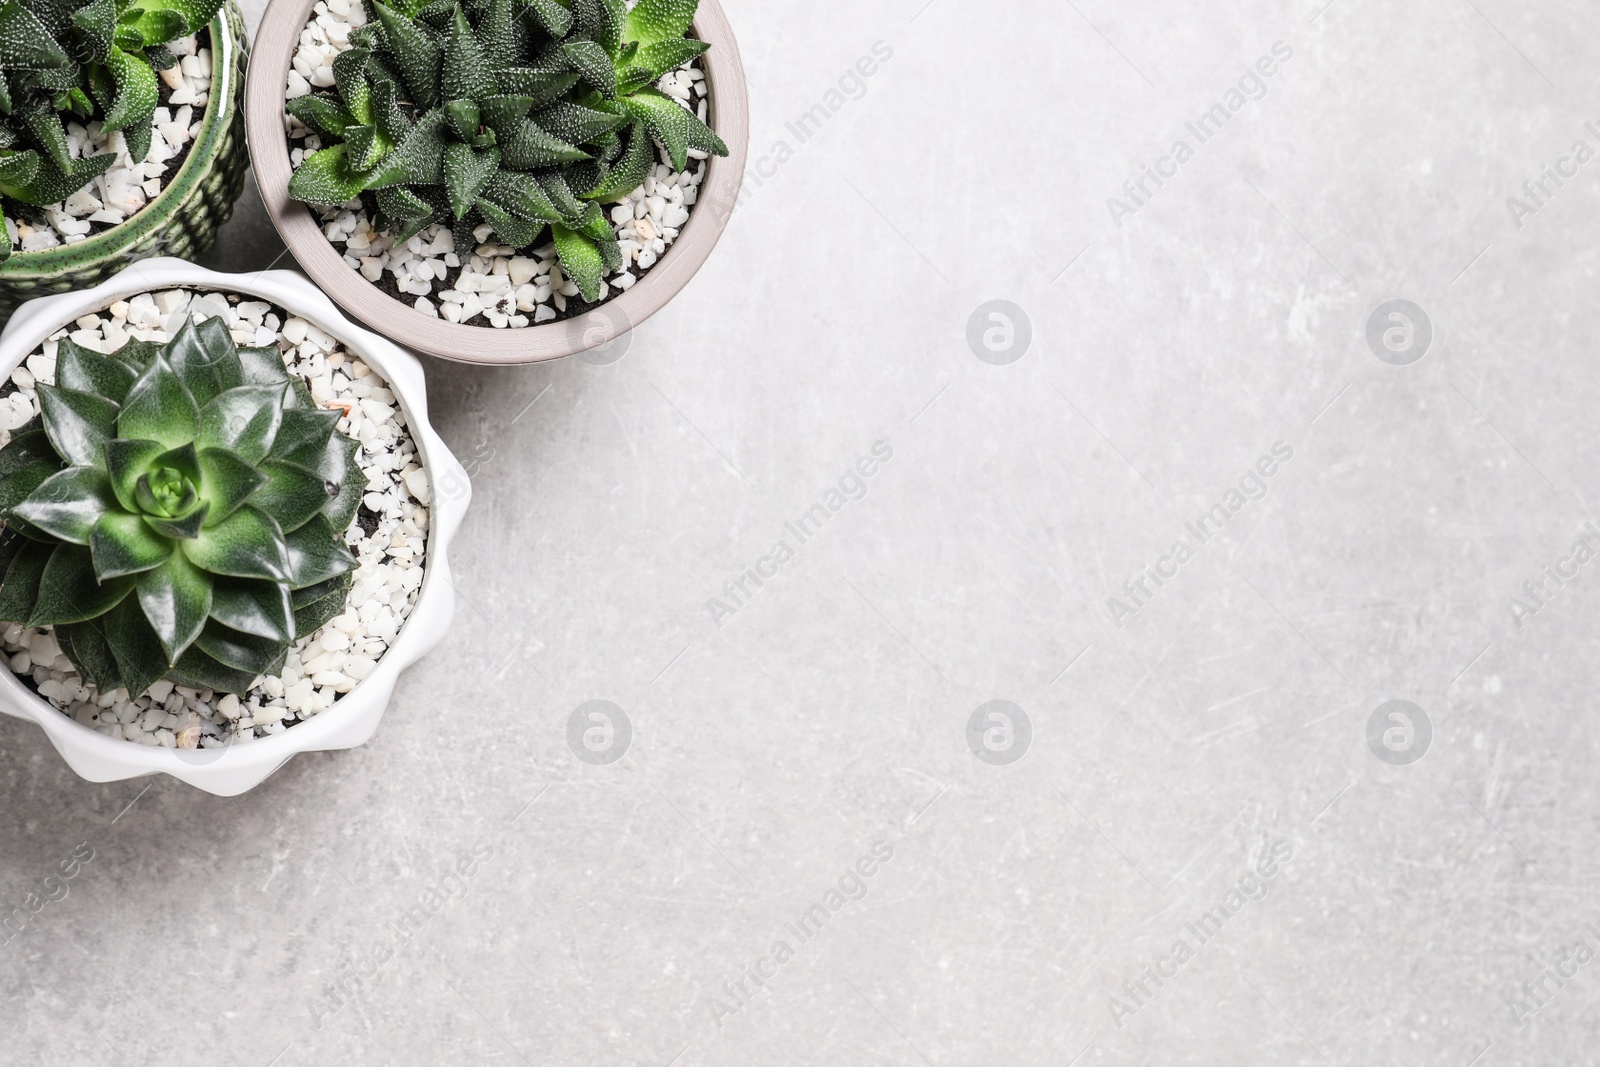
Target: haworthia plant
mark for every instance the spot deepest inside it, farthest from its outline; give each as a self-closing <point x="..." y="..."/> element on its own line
<point x="177" y="512"/>
<point x="523" y="114"/>
<point x="91" y="61"/>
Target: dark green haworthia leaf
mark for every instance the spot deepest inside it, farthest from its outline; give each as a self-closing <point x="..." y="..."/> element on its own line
<point x="418" y="160"/>
<point x="96" y="23"/>
<point x="178" y="17"/>
<point x="17" y="167"/>
<point x="159" y="408"/>
<point x="522" y="196"/>
<point x="508" y="228"/>
<point x="532" y="147"/>
<point x="661" y="56"/>
<point x="593" y="64"/>
<point x="498" y="31"/>
<point x="667" y="121"/>
<point x="538" y="85"/>
<point x="466" y="172"/>
<point x="462" y="115"/>
<point x="123" y="544"/>
<point x="247" y="544"/>
<point x="316" y="554"/>
<point x="69" y="503"/>
<point x="466" y="73"/>
<point x="205" y="359"/>
<point x="350" y="82"/>
<point x="578" y="124"/>
<point x="363" y="147"/>
<point x="226" y="482"/>
<point x="304" y="436"/>
<point x="78" y="423"/>
<point x="136" y="91"/>
<point x="580" y="260"/>
<point x="90" y="372"/>
<point x="556" y="19"/>
<point x="19" y="589"/>
<point x="320" y="114"/>
<point x="243" y="420"/>
<point x="51" y="184"/>
<point x="387" y="115"/>
<point x="254" y="607"/>
<point x="504" y="112"/>
<point x="70" y="592"/>
<point x="630" y="172"/>
<point x="416" y="54"/>
<point x="26" y="43"/>
<point x="326" y="178"/>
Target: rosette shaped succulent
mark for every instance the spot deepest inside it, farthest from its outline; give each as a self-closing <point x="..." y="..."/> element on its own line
<point x="177" y="512"/>
<point x="92" y="61"/>
<point x="523" y="114"/>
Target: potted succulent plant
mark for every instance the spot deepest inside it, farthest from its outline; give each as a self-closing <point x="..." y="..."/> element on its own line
<point x="225" y="524"/>
<point x="121" y="135"/>
<point x="492" y="180"/>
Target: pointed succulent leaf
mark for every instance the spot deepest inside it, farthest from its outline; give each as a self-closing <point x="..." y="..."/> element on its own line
<point x="86" y="646"/>
<point x="243" y="420"/>
<point x="580" y="260"/>
<point x="227" y="481"/>
<point x="466" y="172"/>
<point x="263" y="366"/>
<point x="122" y="544"/>
<point x="90" y="372"/>
<point x="363" y="147"/>
<point x="253" y="607"/>
<point x="159" y="408"/>
<point x="205" y="359"/>
<point x="667" y="121"/>
<point x="508" y="228"/>
<point x="126" y="461"/>
<point x="533" y="147"/>
<point x="658" y="57"/>
<point x="561" y="195"/>
<point x="202" y="671"/>
<point x="96" y="24"/>
<point x="51" y="184"/>
<point x="191" y="15"/>
<point x="320" y="114"/>
<point x="556" y="20"/>
<point x="504" y="112"/>
<point x="703" y="138"/>
<point x="69" y="503"/>
<point x="19" y="589"/>
<point x="340" y="511"/>
<point x="79" y="424"/>
<point x="578" y="124"/>
<point x="658" y="20"/>
<point x="498" y="33"/>
<point x="136" y="646"/>
<point x="291" y="493"/>
<point x="593" y="64"/>
<point x="326" y="178"/>
<point x="247" y="544"/>
<point x="350" y="81"/>
<point x="44" y="124"/>
<point x="26" y="43"/>
<point x="387" y="115"/>
<point x="630" y="171"/>
<point x="18" y="168"/>
<point x="176" y="598"/>
<point x="416" y="54"/>
<point x="521" y="195"/>
<point x="25" y="463"/>
<point x="317" y="605"/>
<point x="466" y="73"/>
<point x="462" y="115"/>
<point x="418" y="160"/>
<point x="316" y="554"/>
<point x="136" y="93"/>
<point x="178" y="529"/>
<point x="242" y="651"/>
<point x="538" y="85"/>
<point x="401" y="205"/>
<point x="70" y="592"/>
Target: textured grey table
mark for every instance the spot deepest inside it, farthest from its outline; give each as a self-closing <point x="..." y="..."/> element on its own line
<point x="1200" y="857"/>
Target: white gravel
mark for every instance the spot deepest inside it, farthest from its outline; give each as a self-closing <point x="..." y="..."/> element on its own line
<point x="126" y="187"/>
<point x="495" y="286"/>
<point x="321" y="667"/>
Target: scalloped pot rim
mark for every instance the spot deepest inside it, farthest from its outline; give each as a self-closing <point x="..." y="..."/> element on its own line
<point x="235" y="769"/>
<point x="275" y="43"/>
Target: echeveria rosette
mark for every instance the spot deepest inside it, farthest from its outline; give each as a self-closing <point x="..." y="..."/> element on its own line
<point x="180" y="511"/>
<point x="95" y="60"/>
<point x="523" y="114"/>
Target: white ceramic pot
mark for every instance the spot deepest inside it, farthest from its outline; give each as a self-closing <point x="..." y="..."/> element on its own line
<point x="236" y="768"/>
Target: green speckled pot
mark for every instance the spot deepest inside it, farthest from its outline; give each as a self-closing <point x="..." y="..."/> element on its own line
<point x="182" y="221"/>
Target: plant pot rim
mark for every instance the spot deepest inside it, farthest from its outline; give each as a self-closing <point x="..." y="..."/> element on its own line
<point x="49" y="262"/>
<point x="353" y="719"/>
<point x="276" y="40"/>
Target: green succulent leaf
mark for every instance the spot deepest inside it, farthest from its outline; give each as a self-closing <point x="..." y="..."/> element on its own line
<point x="122" y="544"/>
<point x="69" y="590"/>
<point x="241" y="651"/>
<point x="253" y="607"/>
<point x="320" y="114"/>
<point x="243" y="420"/>
<point x="466" y="172"/>
<point x="136" y="92"/>
<point x="508" y="228"/>
<point x="160" y="21"/>
<point x="176" y="598"/>
<point x="25" y="463"/>
<point x="51" y="184"/>
<point x="538" y="85"/>
<point x="657" y="20"/>
<point x="19" y="589"/>
<point x="317" y="605"/>
<point x="578" y="124"/>
<point x="86" y="645"/>
<point x="555" y="19"/>
<point x="466" y="73"/>
<point x="69" y="503"/>
<point x="126" y="462"/>
<point x="520" y="195"/>
<point x="658" y="57"/>
<point x="292" y="494"/>
<point x="96" y="24"/>
<point x="326" y="178"/>
<point x="246" y="544"/>
<point x="593" y="65"/>
<point x="134" y="644"/>
<point x="340" y="511"/>
<point x="580" y="260"/>
<point x="416" y="54"/>
<point x="196" y="668"/>
<point x="159" y="408"/>
<point x="26" y="43"/>
<point x="666" y="120"/>
<point x="227" y="480"/>
<point x="87" y="371"/>
<point x="205" y="359"/>
<point x="79" y="423"/>
<point x="317" y="553"/>
<point x="630" y="171"/>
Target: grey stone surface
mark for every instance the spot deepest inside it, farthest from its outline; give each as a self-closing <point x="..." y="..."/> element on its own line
<point x="1221" y="731"/>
